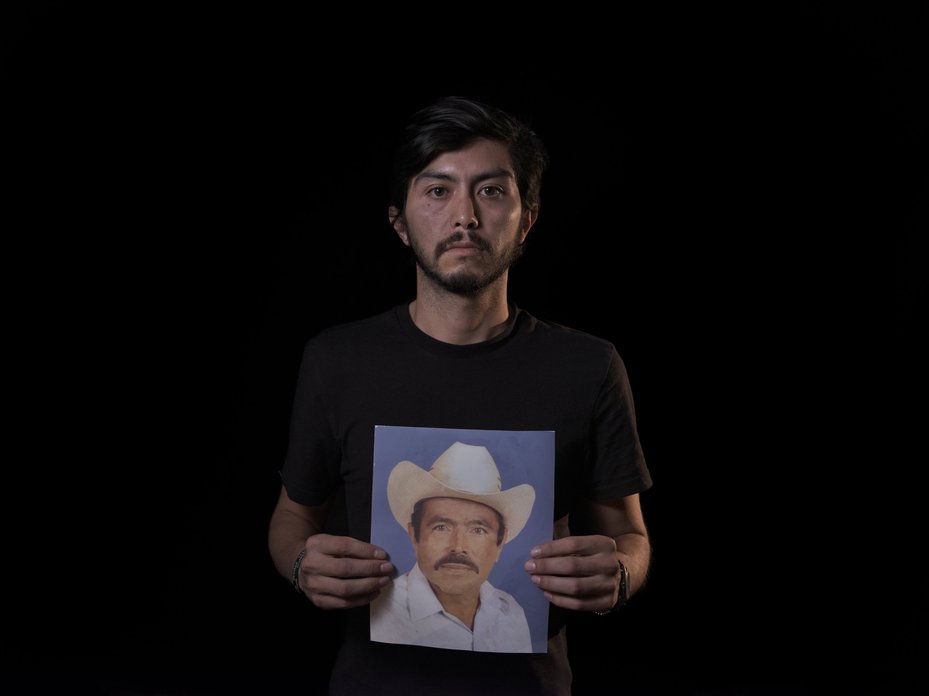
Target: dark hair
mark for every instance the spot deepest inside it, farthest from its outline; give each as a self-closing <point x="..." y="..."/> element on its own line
<point x="452" y="123"/>
<point x="416" y="519"/>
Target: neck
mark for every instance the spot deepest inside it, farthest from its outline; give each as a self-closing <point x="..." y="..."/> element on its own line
<point x="461" y="320"/>
<point x="462" y="607"/>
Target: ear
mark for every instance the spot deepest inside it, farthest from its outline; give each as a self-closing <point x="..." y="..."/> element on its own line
<point x="529" y="218"/>
<point x="411" y="532"/>
<point x="396" y="221"/>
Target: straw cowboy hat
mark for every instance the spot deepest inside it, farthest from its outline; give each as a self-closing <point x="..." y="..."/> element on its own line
<point x="461" y="471"/>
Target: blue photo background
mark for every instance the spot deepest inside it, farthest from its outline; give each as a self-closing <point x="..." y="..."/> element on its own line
<point x="521" y="457"/>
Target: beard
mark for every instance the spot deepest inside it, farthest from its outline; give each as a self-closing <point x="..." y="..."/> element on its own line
<point x="463" y="282"/>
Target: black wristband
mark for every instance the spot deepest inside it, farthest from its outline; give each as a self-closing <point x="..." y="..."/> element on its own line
<point x="295" y="571"/>
<point x="623" y="590"/>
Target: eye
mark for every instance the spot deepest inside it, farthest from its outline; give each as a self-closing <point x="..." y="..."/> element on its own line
<point x="438" y="191"/>
<point x="491" y="191"/>
<point x="441" y="527"/>
<point x="479" y="531"/>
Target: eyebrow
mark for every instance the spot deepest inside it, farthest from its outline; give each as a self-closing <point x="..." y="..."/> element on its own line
<point x="444" y="518"/>
<point x="490" y="174"/>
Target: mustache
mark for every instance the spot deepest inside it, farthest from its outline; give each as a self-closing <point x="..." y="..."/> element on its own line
<point x="459" y="559"/>
<point x="459" y="236"/>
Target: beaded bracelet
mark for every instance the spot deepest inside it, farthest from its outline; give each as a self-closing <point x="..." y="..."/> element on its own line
<point x="295" y="571"/>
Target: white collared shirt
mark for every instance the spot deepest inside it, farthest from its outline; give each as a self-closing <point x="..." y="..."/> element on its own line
<point x="408" y="612"/>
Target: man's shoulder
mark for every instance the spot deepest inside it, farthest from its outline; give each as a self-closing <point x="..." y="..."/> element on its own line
<point x="352" y="331"/>
<point x="560" y="335"/>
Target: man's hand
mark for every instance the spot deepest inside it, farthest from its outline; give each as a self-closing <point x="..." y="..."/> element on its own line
<point x="577" y="572"/>
<point x="340" y="572"/>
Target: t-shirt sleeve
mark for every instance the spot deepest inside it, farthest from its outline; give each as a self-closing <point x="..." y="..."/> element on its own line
<point x="311" y="465"/>
<point x="618" y="462"/>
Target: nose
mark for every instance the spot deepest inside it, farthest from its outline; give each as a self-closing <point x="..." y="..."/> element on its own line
<point x="466" y="214"/>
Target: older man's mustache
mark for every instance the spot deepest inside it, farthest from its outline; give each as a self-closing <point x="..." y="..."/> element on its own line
<point x="457" y="559"/>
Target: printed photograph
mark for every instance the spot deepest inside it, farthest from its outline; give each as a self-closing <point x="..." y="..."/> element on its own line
<point x="458" y="511"/>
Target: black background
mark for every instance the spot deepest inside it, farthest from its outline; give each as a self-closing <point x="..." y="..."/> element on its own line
<point x="191" y="194"/>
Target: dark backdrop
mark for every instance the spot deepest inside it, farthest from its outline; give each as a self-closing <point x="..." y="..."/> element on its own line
<point x="192" y="194"/>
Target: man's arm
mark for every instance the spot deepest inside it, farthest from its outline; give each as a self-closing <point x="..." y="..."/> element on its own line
<point x="337" y="572"/>
<point x="582" y="572"/>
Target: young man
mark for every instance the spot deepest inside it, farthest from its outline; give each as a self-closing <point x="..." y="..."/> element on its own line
<point x="465" y="195"/>
<point x="458" y="518"/>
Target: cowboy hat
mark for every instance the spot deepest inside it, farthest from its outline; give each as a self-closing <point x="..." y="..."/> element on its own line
<point x="462" y="471"/>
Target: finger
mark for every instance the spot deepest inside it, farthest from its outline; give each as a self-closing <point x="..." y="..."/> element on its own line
<point x="344" y="567"/>
<point x="574" y="545"/>
<point x="584" y="603"/>
<point x="583" y="594"/>
<point x="600" y="564"/>
<point x="572" y="586"/>
<point x="330" y="545"/>
<point x="338" y="592"/>
<point x="326" y="601"/>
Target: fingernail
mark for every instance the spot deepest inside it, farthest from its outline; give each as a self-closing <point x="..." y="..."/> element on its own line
<point x="386" y="567"/>
<point x="530" y="566"/>
<point x="536" y="579"/>
<point x="535" y="551"/>
<point x="380" y="554"/>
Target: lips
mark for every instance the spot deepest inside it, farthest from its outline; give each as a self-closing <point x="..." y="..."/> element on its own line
<point x="470" y="248"/>
<point x="458" y="241"/>
<point x="464" y="252"/>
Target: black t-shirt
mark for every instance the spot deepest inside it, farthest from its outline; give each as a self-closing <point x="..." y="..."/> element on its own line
<point x="536" y="376"/>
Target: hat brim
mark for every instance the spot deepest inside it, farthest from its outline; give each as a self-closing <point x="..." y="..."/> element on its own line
<point x="409" y="483"/>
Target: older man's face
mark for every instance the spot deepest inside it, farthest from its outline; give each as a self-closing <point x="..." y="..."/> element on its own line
<point x="457" y="545"/>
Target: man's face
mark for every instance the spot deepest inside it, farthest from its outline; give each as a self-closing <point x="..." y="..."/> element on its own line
<point x="464" y="220"/>
<point x="457" y="545"/>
